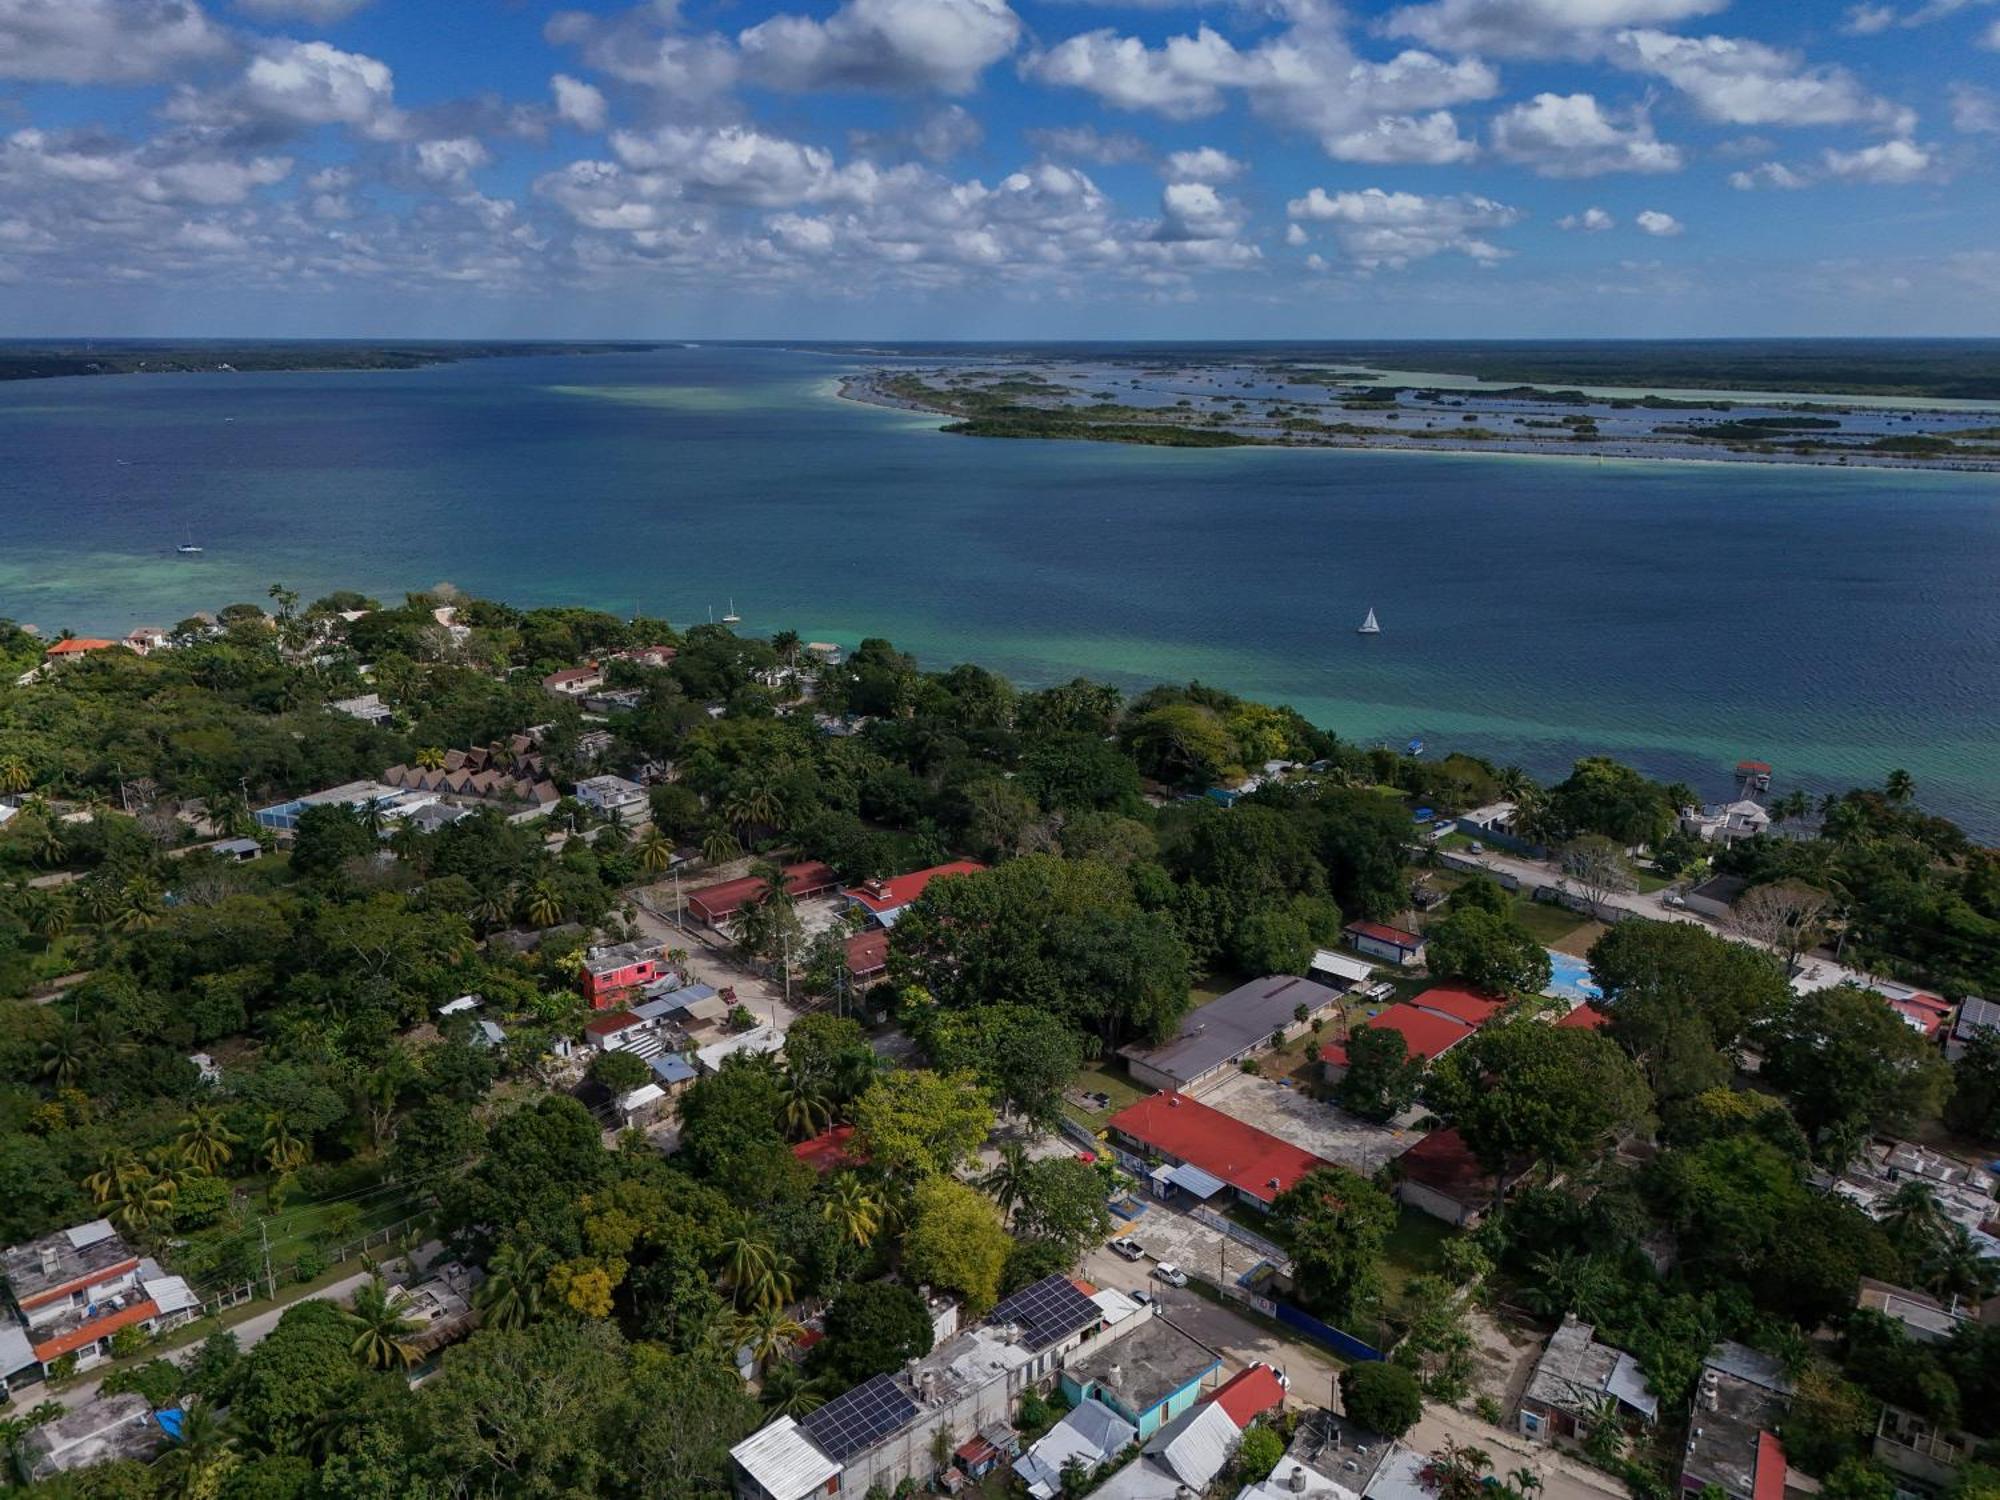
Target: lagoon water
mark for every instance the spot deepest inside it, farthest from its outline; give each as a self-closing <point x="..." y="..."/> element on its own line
<point x="1683" y="616"/>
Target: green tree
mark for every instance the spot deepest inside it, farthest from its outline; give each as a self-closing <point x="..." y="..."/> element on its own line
<point x="1258" y="1454"/>
<point x="511" y="1294"/>
<point x="1025" y="1057"/>
<point x="1336" y="1222"/>
<point x="1382" y="1078"/>
<point x="872" y="1329"/>
<point x="1179" y="743"/>
<point x="1063" y="1200"/>
<point x="618" y="1070"/>
<point x="1489" y="952"/>
<point x="1382" y="1397"/>
<point x="301" y="1373"/>
<point x="381" y="1331"/>
<point x="1973" y="1106"/>
<point x="1849" y="1063"/>
<point x="918" y="1123"/>
<point x="1525" y="1093"/>
<point x="955" y="1240"/>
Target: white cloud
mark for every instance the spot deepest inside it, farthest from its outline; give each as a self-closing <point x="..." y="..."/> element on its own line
<point x="1891" y="163"/>
<point x="1974" y="111"/>
<point x="104" y="41"/>
<point x="1203" y="164"/>
<point x="1592" y="220"/>
<point x="1661" y="225"/>
<point x="1088" y="143"/>
<point x="1425" y="140"/>
<point x="641" y="46"/>
<point x="1196" y="211"/>
<point x="1769" y="174"/>
<point x="1534" y="28"/>
<point x="579" y="103"/>
<point x="1305" y="79"/>
<point x="290" y="86"/>
<point x="883" y="44"/>
<point x="1393" y="230"/>
<point x="319" y="12"/>
<point x="947" y="132"/>
<point x="1868" y="20"/>
<point x="1571" y="135"/>
<point x="1295" y="235"/>
<point x="1990" y="37"/>
<point x="450" y="161"/>
<point x="1738" y="82"/>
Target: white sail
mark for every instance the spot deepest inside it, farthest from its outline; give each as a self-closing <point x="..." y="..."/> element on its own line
<point x="1370" y="626"/>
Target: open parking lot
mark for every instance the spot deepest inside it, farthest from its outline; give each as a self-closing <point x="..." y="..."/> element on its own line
<point x="1176" y="1239"/>
<point x="1323" y="1129"/>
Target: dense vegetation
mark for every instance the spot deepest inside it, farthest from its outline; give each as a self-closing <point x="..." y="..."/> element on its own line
<point x="619" y="1282"/>
<point x="26" y="361"/>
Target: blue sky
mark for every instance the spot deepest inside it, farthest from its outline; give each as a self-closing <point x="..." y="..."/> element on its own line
<point x="999" y="168"/>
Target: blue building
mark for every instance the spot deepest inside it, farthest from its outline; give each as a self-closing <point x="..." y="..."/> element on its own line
<point x="1149" y="1377"/>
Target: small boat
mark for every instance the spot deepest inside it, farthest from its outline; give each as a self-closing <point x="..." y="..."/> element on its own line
<point x="732" y="618"/>
<point x="189" y="547"/>
<point x="1369" y="626"/>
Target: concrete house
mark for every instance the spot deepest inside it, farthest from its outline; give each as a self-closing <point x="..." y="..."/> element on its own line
<point x="1149" y="1377"/>
<point x="1740" y="1400"/>
<point x="885" y="900"/>
<point x="1573" y="1378"/>
<point x="1391" y="945"/>
<point x="1180" y="1146"/>
<point x="71" y="1291"/>
<point x="1215" y="1038"/>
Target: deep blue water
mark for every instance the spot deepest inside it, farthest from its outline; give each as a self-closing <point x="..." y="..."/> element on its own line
<point x="1682" y="616"/>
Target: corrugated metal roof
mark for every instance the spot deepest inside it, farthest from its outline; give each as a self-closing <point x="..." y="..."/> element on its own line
<point x="783" y="1462"/>
<point x="1196" y="1444"/>
<point x="1192" y="1179"/>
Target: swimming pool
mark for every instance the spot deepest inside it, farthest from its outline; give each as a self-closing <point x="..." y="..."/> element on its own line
<point x="1570" y="979"/>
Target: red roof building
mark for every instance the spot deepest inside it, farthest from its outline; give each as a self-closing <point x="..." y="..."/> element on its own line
<point x="830" y="1150"/>
<point x="868" y="956"/>
<point x="1378" y="940"/>
<point x="1441" y="1176"/>
<point x="1455" y="1004"/>
<point x="1769" y="1480"/>
<point x="78" y="645"/>
<point x="1586" y="1017"/>
<point x="1425" y="1033"/>
<point x="1250" y="1394"/>
<point x="598" y="1029"/>
<point x="716" y="904"/>
<point x="1172" y="1126"/>
<point x="885" y="899"/>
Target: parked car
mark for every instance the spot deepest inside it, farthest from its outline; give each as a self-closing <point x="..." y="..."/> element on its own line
<point x="1129" y="1248"/>
<point x="1143" y="1297"/>
<point x="1170" y="1273"/>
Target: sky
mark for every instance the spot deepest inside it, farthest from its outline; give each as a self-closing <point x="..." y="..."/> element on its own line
<point x="999" y="169"/>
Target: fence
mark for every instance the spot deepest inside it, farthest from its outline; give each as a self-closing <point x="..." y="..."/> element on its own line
<point x="1223" y="1224"/>
<point x="1346" y="1345"/>
<point x="1077" y="1133"/>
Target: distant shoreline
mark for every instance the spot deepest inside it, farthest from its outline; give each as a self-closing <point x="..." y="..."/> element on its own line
<point x="866" y="389"/>
<point x="30" y="361"/>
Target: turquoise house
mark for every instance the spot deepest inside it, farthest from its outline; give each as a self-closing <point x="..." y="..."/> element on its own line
<point x="1149" y="1377"/>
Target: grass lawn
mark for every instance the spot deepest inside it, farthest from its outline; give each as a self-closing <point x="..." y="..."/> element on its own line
<point x="1097" y="1078"/>
<point x="1547" y="924"/>
<point x="1650" y="880"/>
<point x="304" y="1226"/>
<point x="1414" y="1248"/>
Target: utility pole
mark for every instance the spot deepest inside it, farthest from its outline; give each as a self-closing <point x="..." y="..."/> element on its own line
<point x="270" y="1280"/>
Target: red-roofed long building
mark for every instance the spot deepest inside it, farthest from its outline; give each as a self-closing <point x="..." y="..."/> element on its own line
<point x="884" y="900"/>
<point x="716" y="904"/>
<point x="1426" y="1034"/>
<point x="1456" y="1004"/>
<point x="1182" y="1133"/>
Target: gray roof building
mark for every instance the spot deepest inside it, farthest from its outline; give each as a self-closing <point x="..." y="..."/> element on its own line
<point x="98" y="1433"/>
<point x="1231" y="1027"/>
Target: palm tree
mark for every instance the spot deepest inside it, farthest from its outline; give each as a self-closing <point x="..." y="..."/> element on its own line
<point x="806" y="1110"/>
<point x="116" y="1166"/>
<point x="1008" y="1180"/>
<point x="204" y="1449"/>
<point x="1524" y="1481"/>
<point x="656" y="851"/>
<point x="766" y="1331"/>
<point x="1514" y="784"/>
<point x="64" y="1054"/>
<point x="15" y="777"/>
<point x="511" y="1294"/>
<point x="854" y="1209"/>
<point x="380" y="1329"/>
<point x="754" y="1273"/>
<point x="284" y="1152"/>
<point x="789" y="1392"/>
<point x="1791" y="807"/>
<point x="495" y="908"/>
<point x="101" y="901"/>
<point x="430" y="758"/>
<point x="205" y="1139"/>
<point x="1958" y="1268"/>
<point x="143" y="1201"/>
<point x="1457" y="1473"/>
<point x="49" y="846"/>
<point x="49" y="916"/>
<point x="1900" y="786"/>
<point x="139" y="906"/>
<point x="543" y="905"/>
<point x="1914" y="1219"/>
<point x="718" y="844"/>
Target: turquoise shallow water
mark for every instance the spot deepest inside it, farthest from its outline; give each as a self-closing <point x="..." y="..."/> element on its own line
<point x="1683" y="616"/>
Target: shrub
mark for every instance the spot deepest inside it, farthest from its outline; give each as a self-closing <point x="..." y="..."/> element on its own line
<point x="61" y="1368"/>
<point x="1259" y="1455"/>
<point x="128" y="1341"/>
<point x="1382" y="1396"/>
<point x="310" y="1265"/>
<point x="158" y="1380"/>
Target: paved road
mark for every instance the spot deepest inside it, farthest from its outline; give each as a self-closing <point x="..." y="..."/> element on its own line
<point x="1817" y="972"/>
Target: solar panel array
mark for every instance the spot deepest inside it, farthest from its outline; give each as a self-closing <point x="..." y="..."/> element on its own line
<point x="1049" y="1310"/>
<point x="864" y="1416"/>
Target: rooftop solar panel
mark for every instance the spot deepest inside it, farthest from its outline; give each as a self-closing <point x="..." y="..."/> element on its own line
<point x="862" y="1417"/>
<point x="1050" y="1309"/>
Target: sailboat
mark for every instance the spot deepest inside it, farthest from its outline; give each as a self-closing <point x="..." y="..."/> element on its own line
<point x="1369" y="626"/>
<point x="190" y="546"/>
<point x="732" y="618"/>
